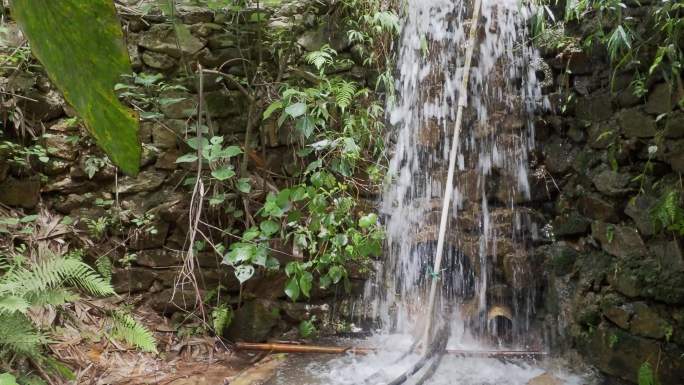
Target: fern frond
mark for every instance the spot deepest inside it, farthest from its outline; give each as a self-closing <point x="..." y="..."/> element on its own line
<point x="18" y="335"/>
<point x="53" y="273"/>
<point x="344" y="93"/>
<point x="55" y="297"/>
<point x="321" y="58"/>
<point x="128" y="329"/>
<point x="12" y="304"/>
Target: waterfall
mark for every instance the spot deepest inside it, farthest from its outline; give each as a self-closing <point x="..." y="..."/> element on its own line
<point x="487" y="277"/>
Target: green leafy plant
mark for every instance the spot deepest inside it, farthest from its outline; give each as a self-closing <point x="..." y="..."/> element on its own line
<point x="222" y="317"/>
<point x="668" y="213"/>
<point x="307" y="328"/>
<point x="646" y="376"/>
<point x="127" y="328"/>
<point x="50" y="282"/>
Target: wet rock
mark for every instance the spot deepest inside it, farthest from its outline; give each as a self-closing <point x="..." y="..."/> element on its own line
<point x="156" y="258"/>
<point x="42" y="106"/>
<point x="167" y="160"/>
<point x="161" y="38"/>
<point x="179" y="105"/>
<point x="221" y="41"/>
<point x="647" y="323"/>
<point x="60" y="146"/>
<point x="639" y="209"/>
<point x="578" y="63"/>
<point x="636" y="124"/>
<point x="594" y="108"/>
<point x="668" y="252"/>
<point x="220" y="104"/>
<point x="545" y="379"/>
<point x="620" y="354"/>
<point x="571" y="223"/>
<point x="145" y="181"/>
<point x="612" y="183"/>
<point x="620" y="241"/>
<point x="675" y="155"/>
<point x="164" y="137"/>
<point x="170" y="301"/>
<point x="253" y="321"/>
<point x="218" y="57"/>
<point x="195" y="14"/>
<point x="205" y="29"/>
<point x="620" y="315"/>
<point x="149" y="236"/>
<point x="20" y="192"/>
<point x="601" y="135"/>
<point x="595" y="207"/>
<point x="158" y="60"/>
<point x="67" y="204"/>
<point x="132" y="280"/>
<point x="562" y="259"/>
<point x="674" y="126"/>
<point x="559" y="155"/>
<point x="660" y="100"/>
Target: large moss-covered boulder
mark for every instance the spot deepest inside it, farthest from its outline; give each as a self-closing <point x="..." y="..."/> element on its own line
<point x="254" y="321"/>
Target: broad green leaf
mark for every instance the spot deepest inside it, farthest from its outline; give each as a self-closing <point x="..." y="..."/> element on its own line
<point x="244" y="272"/>
<point x="7" y="379"/>
<point x="223" y="173"/>
<point x="296" y="110"/>
<point x="80" y="44"/>
<point x="269" y="227"/>
<point x="292" y="289"/>
<point x="367" y="221"/>
<point x="250" y="234"/>
<point x="243" y="185"/>
<point x="231" y="151"/>
<point x="305" y="283"/>
<point x="305" y="126"/>
<point x="187" y="158"/>
<point x="275" y="106"/>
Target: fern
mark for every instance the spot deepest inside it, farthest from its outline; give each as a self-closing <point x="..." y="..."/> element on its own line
<point x="221" y="316"/>
<point x="321" y="58"/>
<point x="128" y="329"/>
<point x="53" y="273"/>
<point x="344" y="93"/>
<point x="18" y="336"/>
<point x="104" y="267"/>
<point x="668" y="213"/>
<point x="646" y="375"/>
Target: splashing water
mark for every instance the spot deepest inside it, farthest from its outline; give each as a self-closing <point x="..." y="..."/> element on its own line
<point x="486" y="277"/>
<point x="488" y="291"/>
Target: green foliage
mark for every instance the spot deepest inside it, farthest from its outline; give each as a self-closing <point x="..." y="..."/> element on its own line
<point x="127" y="328"/>
<point x="222" y="317"/>
<point x="307" y="328"/>
<point x="85" y="60"/>
<point x="646" y="376"/>
<point x="7" y="379"/>
<point x="648" y="44"/>
<point x="47" y="282"/>
<point x="668" y="213"/>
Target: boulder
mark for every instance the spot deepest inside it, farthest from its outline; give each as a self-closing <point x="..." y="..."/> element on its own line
<point x="172" y="300"/>
<point x="612" y="183"/>
<point x="149" y="236"/>
<point x="620" y="241"/>
<point x="639" y="209"/>
<point x="571" y="223"/>
<point x="162" y="38"/>
<point x="545" y="379"/>
<point x="253" y="321"/>
<point x="636" y="124"/>
<point x="559" y="155"/>
<point x="596" y="108"/>
<point x="132" y="280"/>
<point x="620" y="354"/>
<point x="593" y="206"/>
<point x="20" y="192"/>
<point x="660" y="100"/>
<point x="158" y="60"/>
<point x="674" y="125"/>
<point x="145" y="181"/>
<point x="646" y="322"/>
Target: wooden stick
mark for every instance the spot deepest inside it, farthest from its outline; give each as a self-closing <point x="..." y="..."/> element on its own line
<point x="319" y="349"/>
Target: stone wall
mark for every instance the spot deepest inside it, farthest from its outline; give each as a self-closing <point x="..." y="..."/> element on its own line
<point x="615" y="281"/>
<point x="147" y="216"/>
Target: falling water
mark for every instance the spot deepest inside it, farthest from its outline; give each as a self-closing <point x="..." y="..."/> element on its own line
<point x="485" y="279"/>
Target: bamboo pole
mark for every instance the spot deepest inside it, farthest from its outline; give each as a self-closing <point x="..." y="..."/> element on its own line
<point x="321" y="349"/>
<point x="449" y="188"/>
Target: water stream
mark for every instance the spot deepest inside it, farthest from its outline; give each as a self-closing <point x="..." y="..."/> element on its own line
<point x="488" y="287"/>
